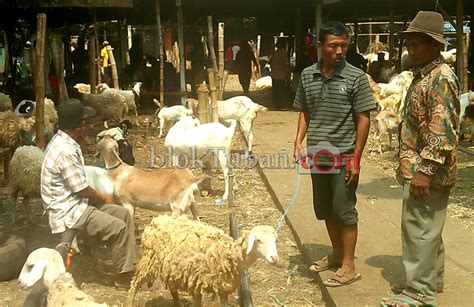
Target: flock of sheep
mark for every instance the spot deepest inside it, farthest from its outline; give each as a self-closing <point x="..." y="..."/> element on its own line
<point x="185" y="254"/>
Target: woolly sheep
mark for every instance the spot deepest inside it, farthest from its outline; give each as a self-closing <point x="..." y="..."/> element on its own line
<point x="198" y="258"/>
<point x="83" y="88"/>
<point x="170" y="114"/>
<point x="263" y="82"/>
<point x="46" y="264"/>
<point x="109" y="105"/>
<point x="25" y="177"/>
<point x="131" y="98"/>
<point x="27" y="108"/>
<point x="12" y="127"/>
<point x="5" y="103"/>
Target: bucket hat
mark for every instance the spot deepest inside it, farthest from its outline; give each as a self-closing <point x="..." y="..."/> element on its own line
<point x="429" y="23"/>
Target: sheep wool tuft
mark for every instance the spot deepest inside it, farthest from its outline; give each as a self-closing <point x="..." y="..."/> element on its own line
<point x="191" y="256"/>
<point x="5" y="103"/>
<point x="108" y="104"/>
<point x="11" y="126"/>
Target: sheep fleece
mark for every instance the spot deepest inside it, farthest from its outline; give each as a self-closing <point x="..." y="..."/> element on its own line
<point x="191" y="256"/>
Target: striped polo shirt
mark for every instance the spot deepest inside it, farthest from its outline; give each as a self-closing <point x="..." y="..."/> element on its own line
<point x="332" y="103"/>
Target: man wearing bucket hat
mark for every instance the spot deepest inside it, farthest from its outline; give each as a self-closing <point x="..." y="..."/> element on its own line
<point x="71" y="203"/>
<point x="427" y="161"/>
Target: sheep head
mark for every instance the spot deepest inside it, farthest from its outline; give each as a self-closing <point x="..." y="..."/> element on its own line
<point x="43" y="263"/>
<point x="261" y="243"/>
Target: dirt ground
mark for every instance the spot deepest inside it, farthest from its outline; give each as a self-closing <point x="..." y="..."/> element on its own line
<point x="289" y="283"/>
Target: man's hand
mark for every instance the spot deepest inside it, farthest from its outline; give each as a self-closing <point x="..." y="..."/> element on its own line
<point x="297" y="150"/>
<point x="352" y="173"/>
<point x="420" y="185"/>
<point x="108" y="199"/>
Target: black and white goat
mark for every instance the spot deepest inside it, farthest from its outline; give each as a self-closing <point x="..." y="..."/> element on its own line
<point x="119" y="134"/>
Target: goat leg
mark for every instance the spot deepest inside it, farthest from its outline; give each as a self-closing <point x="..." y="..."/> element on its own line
<point x="223" y="300"/>
<point x="175" y="296"/>
<point x="27" y="206"/>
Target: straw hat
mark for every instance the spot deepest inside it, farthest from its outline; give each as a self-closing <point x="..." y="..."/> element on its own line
<point x="429" y="23"/>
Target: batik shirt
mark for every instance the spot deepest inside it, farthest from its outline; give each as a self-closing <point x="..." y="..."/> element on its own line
<point x="430" y="119"/>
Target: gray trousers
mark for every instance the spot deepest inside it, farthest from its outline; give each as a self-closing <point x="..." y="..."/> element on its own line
<point x="422" y="243"/>
<point x="114" y="226"/>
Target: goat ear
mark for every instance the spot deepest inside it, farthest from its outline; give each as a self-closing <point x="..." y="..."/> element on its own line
<point x="250" y="243"/>
<point x="54" y="268"/>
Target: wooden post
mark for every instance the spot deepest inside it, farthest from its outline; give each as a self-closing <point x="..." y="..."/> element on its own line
<point x="63" y="95"/>
<point x="466" y="66"/>
<point x="123" y="44"/>
<point x="356" y="35"/>
<point x="203" y="102"/>
<point x="92" y="65"/>
<point x="40" y="79"/>
<point x="297" y="41"/>
<point x="212" y="85"/>
<point x="97" y="53"/>
<point x="318" y="23"/>
<point x="160" y="50"/>
<point x="460" y="44"/>
<point x="391" y="39"/>
<point x="6" y="46"/>
<point x="182" y="70"/>
<point x="220" y="44"/>
<point x="370" y="37"/>
<point x="259" y="42"/>
<point x="113" y="67"/>
<point x="57" y="55"/>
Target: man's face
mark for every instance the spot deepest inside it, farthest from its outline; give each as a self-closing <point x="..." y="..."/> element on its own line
<point x="421" y="50"/>
<point x="80" y="133"/>
<point x="333" y="49"/>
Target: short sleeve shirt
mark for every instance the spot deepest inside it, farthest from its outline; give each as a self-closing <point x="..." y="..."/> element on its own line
<point x="332" y="103"/>
<point x="62" y="176"/>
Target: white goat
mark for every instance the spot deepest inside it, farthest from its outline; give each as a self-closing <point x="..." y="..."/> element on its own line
<point x="48" y="265"/>
<point x="387" y="122"/>
<point x="193" y="140"/>
<point x="164" y="189"/>
<point x="198" y="258"/>
<point x="170" y="114"/>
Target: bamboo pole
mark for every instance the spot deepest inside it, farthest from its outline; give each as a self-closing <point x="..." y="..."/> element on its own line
<point x="210" y="42"/>
<point x="92" y="65"/>
<point x="203" y="101"/>
<point x="182" y="63"/>
<point x="212" y="85"/>
<point x="460" y="44"/>
<point x="160" y="50"/>
<point x="40" y="78"/>
<point x="63" y="95"/>
<point x="113" y="67"/>
<point x="220" y="44"/>
<point x="466" y="66"/>
<point x="259" y="42"/>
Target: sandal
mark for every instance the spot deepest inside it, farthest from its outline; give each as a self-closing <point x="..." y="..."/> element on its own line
<point x="323" y="265"/>
<point x="342" y="278"/>
<point x="400" y="300"/>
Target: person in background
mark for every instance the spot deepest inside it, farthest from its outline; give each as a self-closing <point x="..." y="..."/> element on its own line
<point x="198" y="59"/>
<point x="280" y="72"/>
<point x="137" y="62"/>
<point x="355" y="58"/>
<point x="80" y="62"/>
<point x="244" y="60"/>
<point x="105" y="68"/>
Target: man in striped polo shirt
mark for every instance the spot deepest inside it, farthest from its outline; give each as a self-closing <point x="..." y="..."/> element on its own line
<point x="334" y="99"/>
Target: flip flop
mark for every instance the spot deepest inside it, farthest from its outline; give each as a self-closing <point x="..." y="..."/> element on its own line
<point x="342" y="278"/>
<point x="323" y="265"/>
<point x="399" y="299"/>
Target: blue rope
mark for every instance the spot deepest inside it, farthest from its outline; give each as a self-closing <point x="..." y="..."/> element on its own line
<point x="290" y="205"/>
